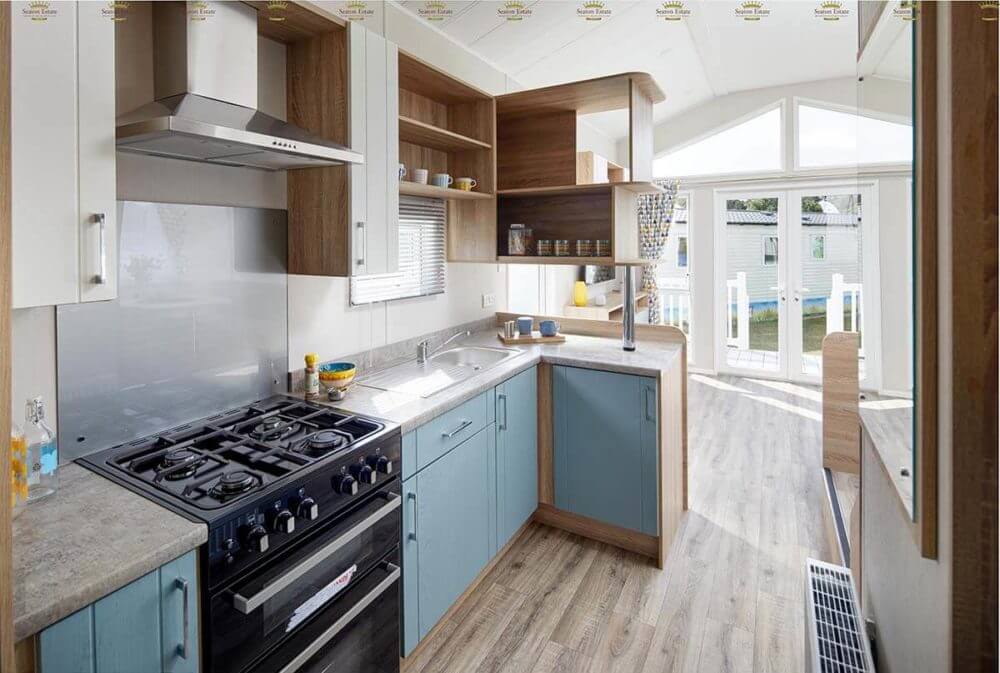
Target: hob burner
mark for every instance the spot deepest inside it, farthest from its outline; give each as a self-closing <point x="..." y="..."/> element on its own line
<point x="322" y="442"/>
<point x="235" y="482"/>
<point x="270" y="429"/>
<point x="190" y="460"/>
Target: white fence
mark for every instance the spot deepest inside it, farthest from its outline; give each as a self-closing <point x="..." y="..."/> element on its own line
<point x="675" y="302"/>
<point x="738" y="312"/>
<point x="835" y="309"/>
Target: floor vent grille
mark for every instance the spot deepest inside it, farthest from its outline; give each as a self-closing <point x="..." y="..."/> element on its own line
<point x="836" y="634"/>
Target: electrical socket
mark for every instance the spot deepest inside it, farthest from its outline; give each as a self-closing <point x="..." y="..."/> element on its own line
<point x="489" y="299"/>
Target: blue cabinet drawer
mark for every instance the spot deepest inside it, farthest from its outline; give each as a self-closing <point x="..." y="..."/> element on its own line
<point x="441" y="435"/>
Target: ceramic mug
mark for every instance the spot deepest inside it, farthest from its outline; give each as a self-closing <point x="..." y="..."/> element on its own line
<point x="548" y="328"/>
<point x="420" y="176"/>
<point x="402" y="171"/>
<point x="441" y="180"/>
<point x="465" y="184"/>
<point x="524" y="325"/>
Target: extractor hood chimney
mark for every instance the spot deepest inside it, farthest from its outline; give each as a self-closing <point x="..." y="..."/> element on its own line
<point x="205" y="84"/>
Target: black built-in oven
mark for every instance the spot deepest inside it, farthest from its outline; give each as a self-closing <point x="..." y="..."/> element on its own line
<point x="329" y="603"/>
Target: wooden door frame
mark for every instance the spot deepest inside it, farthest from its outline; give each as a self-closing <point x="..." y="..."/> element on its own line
<point x="6" y="532"/>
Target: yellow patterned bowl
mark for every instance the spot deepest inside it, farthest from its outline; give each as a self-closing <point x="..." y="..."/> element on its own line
<point x="337" y="375"/>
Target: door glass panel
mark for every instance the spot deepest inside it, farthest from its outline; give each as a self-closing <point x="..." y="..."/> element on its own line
<point x="830" y="295"/>
<point x="753" y="284"/>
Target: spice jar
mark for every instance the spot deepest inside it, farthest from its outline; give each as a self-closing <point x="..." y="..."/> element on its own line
<point x="584" y="248"/>
<point x="561" y="247"/>
<point x="519" y="240"/>
<point x="544" y="248"/>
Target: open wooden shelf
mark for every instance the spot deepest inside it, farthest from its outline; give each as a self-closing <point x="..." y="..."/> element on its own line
<point x="420" y="133"/>
<point x="567" y="190"/>
<point x="433" y="192"/>
<point x="574" y="261"/>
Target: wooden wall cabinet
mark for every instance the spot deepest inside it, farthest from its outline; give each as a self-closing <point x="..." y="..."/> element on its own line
<point x="344" y="220"/>
<point x="63" y="155"/>
<point x="446" y="126"/>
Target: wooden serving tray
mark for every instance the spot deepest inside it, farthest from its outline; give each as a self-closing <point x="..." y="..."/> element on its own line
<point x="535" y="338"/>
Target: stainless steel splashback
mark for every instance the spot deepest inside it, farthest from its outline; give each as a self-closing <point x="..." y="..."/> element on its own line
<point x="200" y="325"/>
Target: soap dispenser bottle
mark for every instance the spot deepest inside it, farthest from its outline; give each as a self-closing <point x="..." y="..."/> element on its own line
<point x="43" y="454"/>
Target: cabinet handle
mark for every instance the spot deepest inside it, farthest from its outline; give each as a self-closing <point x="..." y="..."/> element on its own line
<point x="503" y="425"/>
<point x="182" y="648"/>
<point x="461" y="426"/>
<point x="363" y="241"/>
<point x="412" y="497"/>
<point x="645" y="392"/>
<point x="102" y="274"/>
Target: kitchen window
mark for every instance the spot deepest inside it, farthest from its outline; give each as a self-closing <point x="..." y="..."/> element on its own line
<point x="682" y="252"/>
<point x="421" y="256"/>
<point x="817" y="246"/>
<point x="770" y="250"/>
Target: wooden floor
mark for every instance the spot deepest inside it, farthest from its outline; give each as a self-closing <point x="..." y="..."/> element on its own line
<point x="730" y="598"/>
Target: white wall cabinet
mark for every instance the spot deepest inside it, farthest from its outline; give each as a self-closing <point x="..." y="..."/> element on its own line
<point x="63" y="154"/>
<point x="373" y="64"/>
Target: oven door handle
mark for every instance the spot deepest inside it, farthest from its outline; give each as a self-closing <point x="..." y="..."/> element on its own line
<point x="339" y="625"/>
<point x="247" y="604"/>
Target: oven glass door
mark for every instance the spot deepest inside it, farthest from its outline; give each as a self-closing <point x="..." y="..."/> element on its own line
<point x="256" y="614"/>
<point x="356" y="634"/>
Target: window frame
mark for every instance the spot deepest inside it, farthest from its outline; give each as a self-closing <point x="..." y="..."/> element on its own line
<point x="812" y="249"/>
<point x="763" y="249"/>
<point x="686" y="264"/>
<point x="798" y="168"/>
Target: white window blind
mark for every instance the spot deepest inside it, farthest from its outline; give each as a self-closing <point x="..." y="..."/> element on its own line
<point x="421" y="256"/>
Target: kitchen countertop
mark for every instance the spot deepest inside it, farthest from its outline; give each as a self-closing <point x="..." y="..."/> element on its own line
<point x="889" y="425"/>
<point x="89" y="539"/>
<point x="411" y="411"/>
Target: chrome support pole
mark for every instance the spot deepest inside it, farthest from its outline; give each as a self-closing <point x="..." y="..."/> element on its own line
<point x="628" y="312"/>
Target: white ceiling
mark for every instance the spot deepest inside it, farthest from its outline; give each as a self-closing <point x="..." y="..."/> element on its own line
<point x="711" y="53"/>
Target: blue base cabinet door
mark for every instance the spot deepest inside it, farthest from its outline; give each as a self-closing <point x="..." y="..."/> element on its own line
<point x="517" y="452"/>
<point x="410" y="632"/>
<point x="455" y="525"/>
<point x="605" y="446"/>
<point x="149" y="625"/>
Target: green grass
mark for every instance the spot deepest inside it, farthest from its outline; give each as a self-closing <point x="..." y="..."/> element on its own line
<point x="764" y="333"/>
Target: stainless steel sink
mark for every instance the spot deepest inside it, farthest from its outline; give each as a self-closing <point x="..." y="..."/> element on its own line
<point x="442" y="370"/>
<point x="473" y="356"/>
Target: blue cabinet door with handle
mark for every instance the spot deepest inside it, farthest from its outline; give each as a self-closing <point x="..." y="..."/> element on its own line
<point x="605" y="446"/>
<point x="455" y="525"/>
<point x="517" y="452"/>
<point x="410" y="632"/>
<point x="150" y="624"/>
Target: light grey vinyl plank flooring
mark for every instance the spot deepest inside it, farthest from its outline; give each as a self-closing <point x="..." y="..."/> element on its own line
<point x="730" y="597"/>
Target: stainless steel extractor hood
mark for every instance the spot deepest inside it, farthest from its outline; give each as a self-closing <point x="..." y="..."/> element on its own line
<point x="205" y="85"/>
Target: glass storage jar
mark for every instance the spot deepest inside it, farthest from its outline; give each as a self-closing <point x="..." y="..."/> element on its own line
<point x="561" y="247"/>
<point x="519" y="240"/>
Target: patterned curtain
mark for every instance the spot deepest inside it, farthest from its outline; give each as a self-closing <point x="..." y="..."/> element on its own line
<point x="656" y="211"/>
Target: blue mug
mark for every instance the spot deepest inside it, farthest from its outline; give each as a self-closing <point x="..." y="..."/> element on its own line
<point x="524" y="326"/>
<point x="548" y="327"/>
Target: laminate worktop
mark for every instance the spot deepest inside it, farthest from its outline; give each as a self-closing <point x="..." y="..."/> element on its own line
<point x="411" y="411"/>
<point x="889" y="426"/>
<point x="87" y="540"/>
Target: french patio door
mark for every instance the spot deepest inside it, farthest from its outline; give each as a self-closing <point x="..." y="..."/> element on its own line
<point x="795" y="265"/>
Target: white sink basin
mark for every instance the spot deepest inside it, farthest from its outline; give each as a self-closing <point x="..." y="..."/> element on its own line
<point x="442" y="370"/>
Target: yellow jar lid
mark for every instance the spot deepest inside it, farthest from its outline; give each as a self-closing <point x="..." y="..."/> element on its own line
<point x="311" y="359"/>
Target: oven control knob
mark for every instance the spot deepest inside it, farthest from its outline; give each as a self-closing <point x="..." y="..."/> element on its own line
<point x="345" y="484"/>
<point x="257" y="538"/>
<point x="308" y="509"/>
<point x="363" y="473"/>
<point x="283" y="521"/>
<point x="380" y="464"/>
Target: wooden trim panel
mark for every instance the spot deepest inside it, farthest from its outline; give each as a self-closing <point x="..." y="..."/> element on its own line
<point x="6" y="532"/>
<point x="647" y="545"/>
<point x="841" y="425"/>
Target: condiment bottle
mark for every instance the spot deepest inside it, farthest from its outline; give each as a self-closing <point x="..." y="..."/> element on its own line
<point x="18" y="469"/>
<point x="43" y="452"/>
<point x="312" y="376"/>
